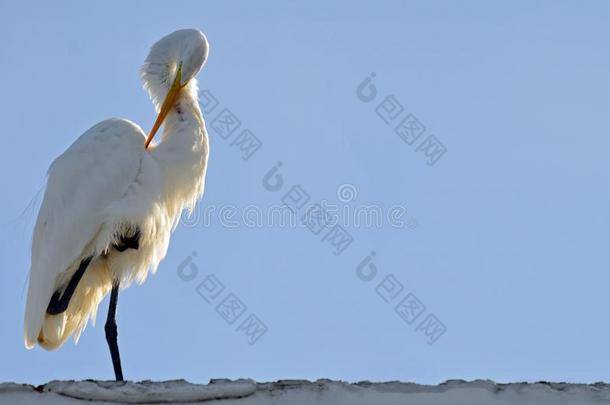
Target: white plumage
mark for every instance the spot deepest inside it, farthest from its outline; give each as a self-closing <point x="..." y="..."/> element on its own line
<point x="107" y="184"/>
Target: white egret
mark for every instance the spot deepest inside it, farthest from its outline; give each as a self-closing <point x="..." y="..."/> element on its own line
<point x="112" y="201"/>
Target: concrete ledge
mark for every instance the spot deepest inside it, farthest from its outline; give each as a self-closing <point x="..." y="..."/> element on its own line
<point x="299" y="392"/>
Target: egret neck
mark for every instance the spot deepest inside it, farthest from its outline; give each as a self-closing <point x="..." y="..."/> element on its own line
<point x="182" y="151"/>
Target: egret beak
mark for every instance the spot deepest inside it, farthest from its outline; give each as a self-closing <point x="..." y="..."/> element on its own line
<point x="170" y="98"/>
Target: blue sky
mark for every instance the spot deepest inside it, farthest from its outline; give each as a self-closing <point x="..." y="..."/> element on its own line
<point x="503" y="240"/>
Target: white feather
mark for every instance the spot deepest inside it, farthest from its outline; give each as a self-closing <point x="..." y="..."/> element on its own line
<point x="105" y="185"/>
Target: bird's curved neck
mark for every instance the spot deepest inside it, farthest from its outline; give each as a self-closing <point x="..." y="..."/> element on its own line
<point x="184" y="122"/>
<point x="182" y="152"/>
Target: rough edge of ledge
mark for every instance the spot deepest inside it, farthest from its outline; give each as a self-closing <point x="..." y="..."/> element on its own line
<point x="394" y="385"/>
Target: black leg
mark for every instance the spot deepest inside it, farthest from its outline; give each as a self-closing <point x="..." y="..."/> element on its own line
<point x="59" y="302"/>
<point x="112" y="333"/>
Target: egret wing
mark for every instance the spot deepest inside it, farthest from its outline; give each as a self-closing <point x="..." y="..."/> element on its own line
<point x="95" y="171"/>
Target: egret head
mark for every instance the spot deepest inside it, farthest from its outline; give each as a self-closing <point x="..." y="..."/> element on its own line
<point x="171" y="67"/>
